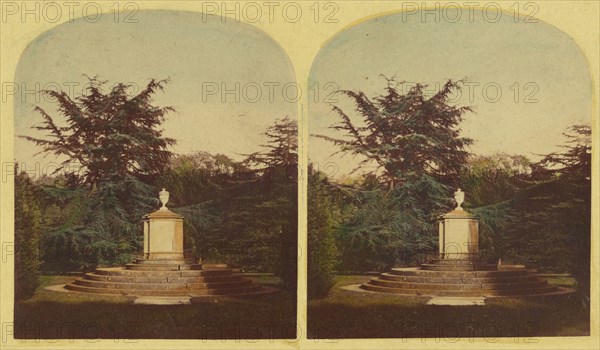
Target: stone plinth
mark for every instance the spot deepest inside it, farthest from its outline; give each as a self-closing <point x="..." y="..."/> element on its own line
<point x="458" y="236"/>
<point x="163" y="235"/>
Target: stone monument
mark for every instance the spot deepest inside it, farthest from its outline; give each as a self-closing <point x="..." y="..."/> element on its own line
<point x="163" y="270"/>
<point x="163" y="233"/>
<point x="459" y="233"/>
<point x="459" y="271"/>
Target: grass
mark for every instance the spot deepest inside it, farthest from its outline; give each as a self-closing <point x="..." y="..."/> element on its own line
<point x="343" y="314"/>
<point x="58" y="315"/>
<point x="560" y="280"/>
<point x="350" y="314"/>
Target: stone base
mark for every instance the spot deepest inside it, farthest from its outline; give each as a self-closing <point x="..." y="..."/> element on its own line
<point x="463" y="279"/>
<point x="458" y="265"/>
<point x="167" y="278"/>
<point x="164" y="256"/>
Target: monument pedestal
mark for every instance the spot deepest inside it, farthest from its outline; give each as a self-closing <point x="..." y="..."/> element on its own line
<point x="163" y="236"/>
<point x="458" y="244"/>
<point x="458" y="236"/>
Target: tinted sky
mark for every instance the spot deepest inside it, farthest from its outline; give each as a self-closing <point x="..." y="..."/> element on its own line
<point x="194" y="51"/>
<point x="499" y="54"/>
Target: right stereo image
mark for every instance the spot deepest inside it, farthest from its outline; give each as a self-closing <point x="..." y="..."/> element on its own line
<point x="449" y="180"/>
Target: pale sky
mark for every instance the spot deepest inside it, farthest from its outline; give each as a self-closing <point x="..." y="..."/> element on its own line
<point x="196" y="52"/>
<point x="199" y="52"/>
<point x="499" y="54"/>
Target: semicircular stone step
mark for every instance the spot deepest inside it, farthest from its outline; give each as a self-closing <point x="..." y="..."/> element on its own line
<point x="514" y="281"/>
<point x="162" y="279"/>
<point x="252" y="289"/>
<point x="456" y="286"/>
<point x="112" y="271"/>
<point x="470" y="274"/>
<point x="114" y="285"/>
<point x="458" y="267"/>
<point x="162" y="267"/>
<point x="162" y="286"/>
<point x="456" y="280"/>
<point x="459" y="262"/>
<point x="460" y="293"/>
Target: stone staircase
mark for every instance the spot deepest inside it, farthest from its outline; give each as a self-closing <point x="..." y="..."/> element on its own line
<point x="158" y="277"/>
<point x="463" y="278"/>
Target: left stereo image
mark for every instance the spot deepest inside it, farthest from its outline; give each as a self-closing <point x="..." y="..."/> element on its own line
<point x="155" y="181"/>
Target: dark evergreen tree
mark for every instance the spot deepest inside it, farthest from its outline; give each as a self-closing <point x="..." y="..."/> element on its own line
<point x="28" y="227"/>
<point x="406" y="136"/>
<point x="324" y="218"/>
<point x="117" y="142"/>
<point x="110" y="135"/>
<point x="273" y="215"/>
<point x="555" y="213"/>
<point x="413" y="143"/>
<point x="281" y="149"/>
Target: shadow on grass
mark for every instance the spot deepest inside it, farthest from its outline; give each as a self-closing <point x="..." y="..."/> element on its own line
<point x="348" y="314"/>
<point x="56" y="315"/>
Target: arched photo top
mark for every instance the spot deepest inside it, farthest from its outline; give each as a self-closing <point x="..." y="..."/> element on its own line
<point x="226" y="78"/>
<point x="526" y="80"/>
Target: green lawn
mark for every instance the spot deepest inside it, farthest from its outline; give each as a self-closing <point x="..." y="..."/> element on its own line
<point x="52" y="315"/>
<point x="349" y="314"/>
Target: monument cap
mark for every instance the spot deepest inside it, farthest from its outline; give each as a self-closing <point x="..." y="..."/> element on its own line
<point x="163" y="214"/>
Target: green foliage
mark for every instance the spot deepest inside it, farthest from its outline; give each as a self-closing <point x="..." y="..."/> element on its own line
<point x="495" y="178"/>
<point x="492" y="184"/>
<point x="281" y="149"/>
<point x="556" y="211"/>
<point x="495" y="221"/>
<point x="200" y="185"/>
<point x="242" y="213"/>
<point x="28" y="227"/>
<point x="273" y="215"/>
<point x="324" y="216"/>
<point x="414" y="143"/>
<point x="116" y="141"/>
<point x="109" y="135"/>
<point x="406" y="135"/>
<point x="395" y="227"/>
<point x="83" y="230"/>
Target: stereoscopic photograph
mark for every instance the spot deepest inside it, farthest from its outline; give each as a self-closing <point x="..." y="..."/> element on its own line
<point x="449" y="188"/>
<point x="299" y="174"/>
<point x="155" y="189"/>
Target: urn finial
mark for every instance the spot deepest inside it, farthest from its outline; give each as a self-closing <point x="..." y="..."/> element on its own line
<point x="164" y="198"/>
<point x="459" y="197"/>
